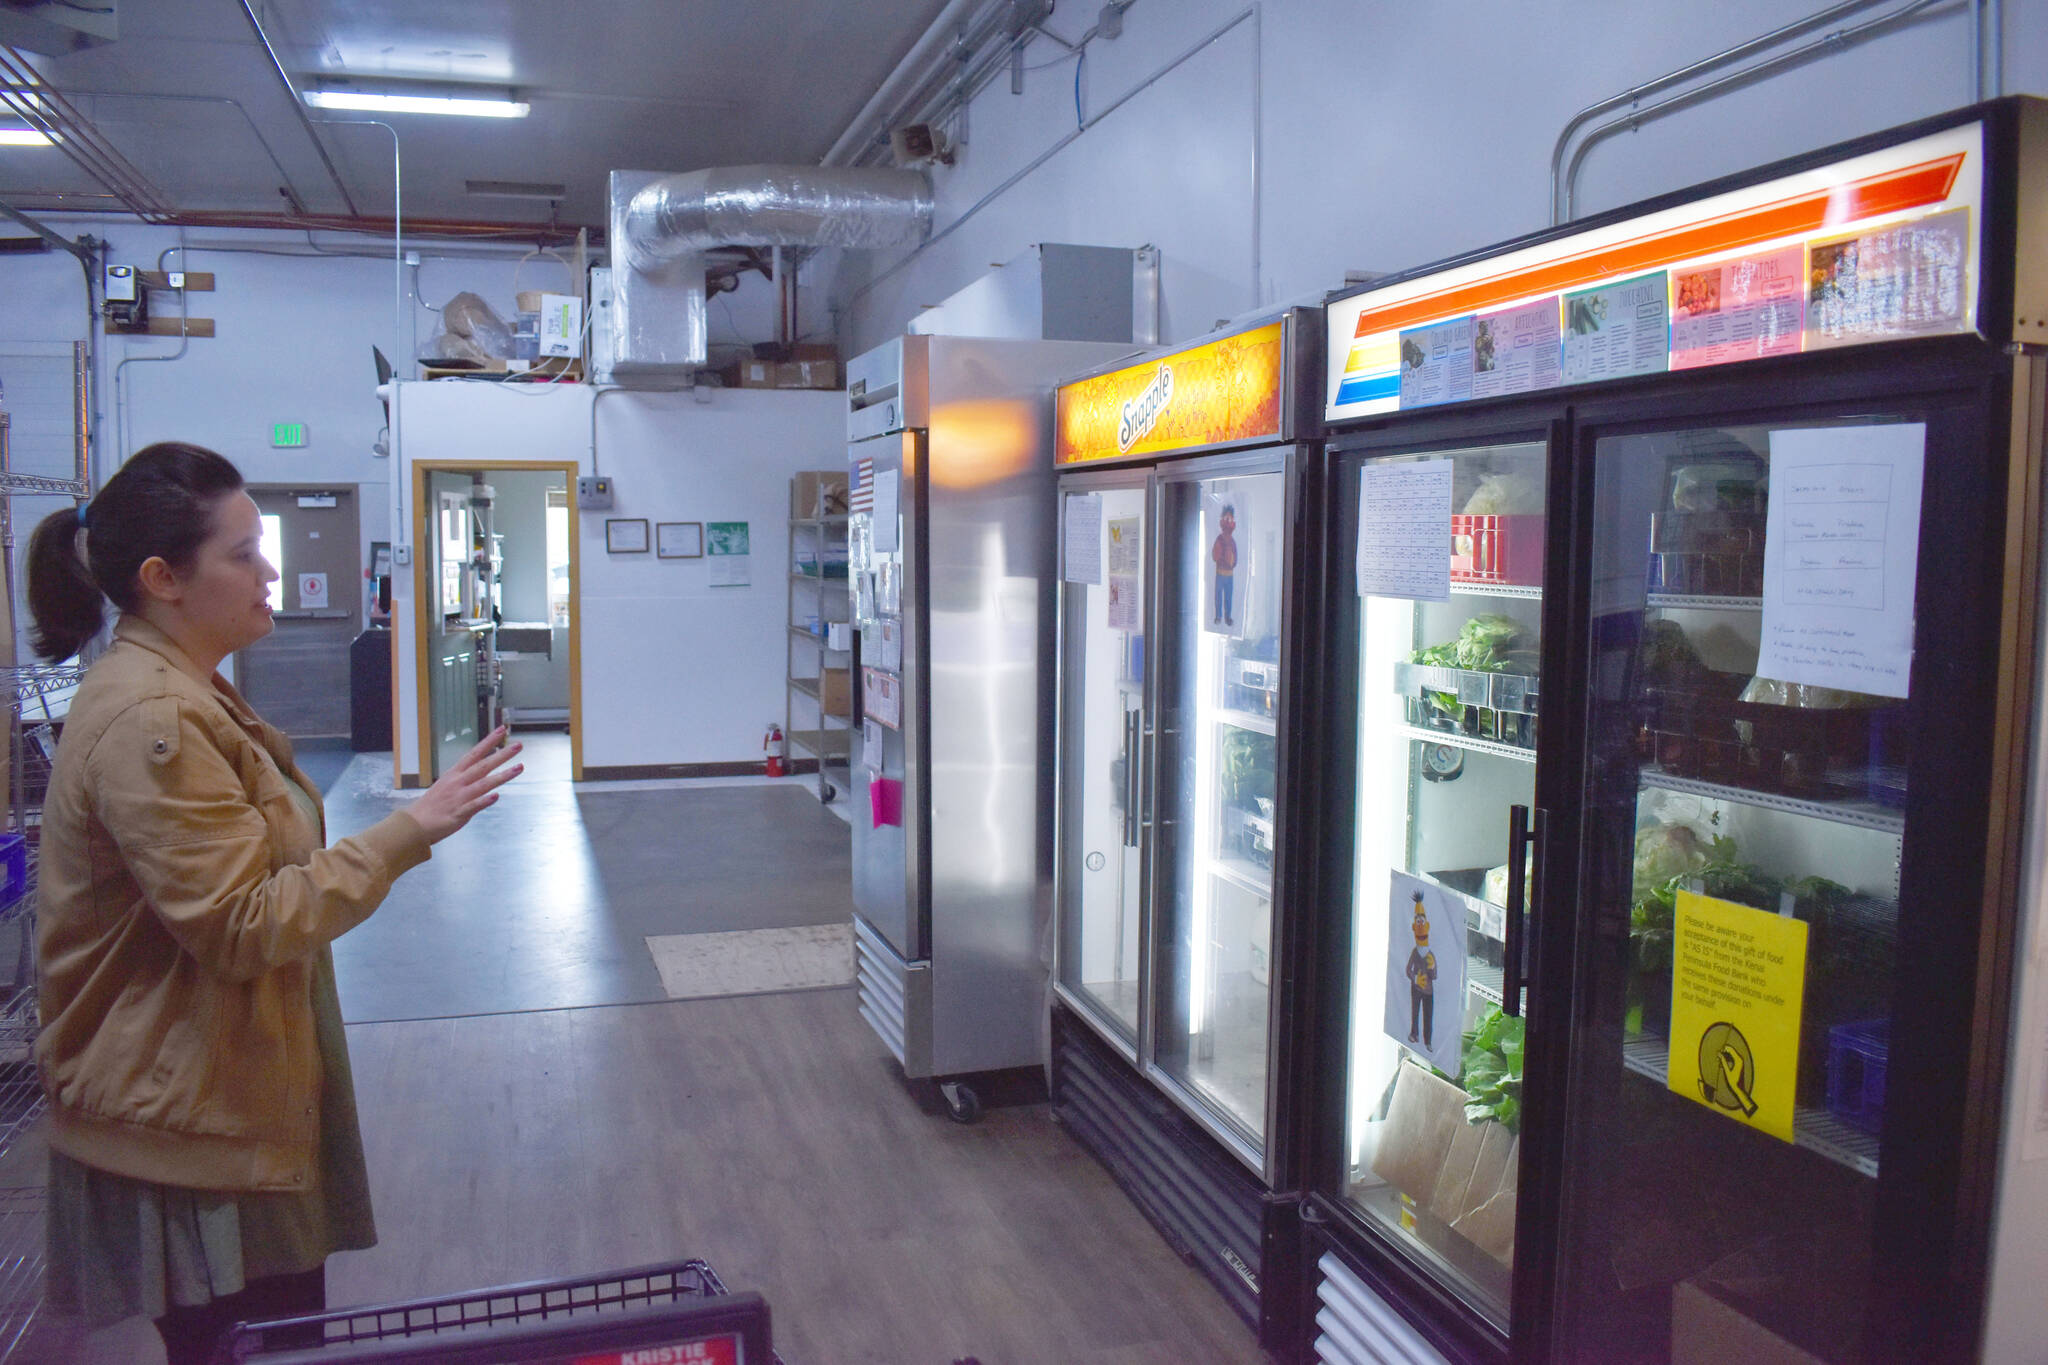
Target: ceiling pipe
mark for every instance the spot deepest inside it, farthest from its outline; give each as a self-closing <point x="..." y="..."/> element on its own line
<point x="836" y="206"/>
<point x="299" y="107"/>
<point x="936" y="38"/>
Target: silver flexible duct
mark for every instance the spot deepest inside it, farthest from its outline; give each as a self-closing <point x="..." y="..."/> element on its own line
<point x="835" y="206"/>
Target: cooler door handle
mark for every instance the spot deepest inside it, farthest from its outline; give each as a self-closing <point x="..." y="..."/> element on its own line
<point x="1525" y="881"/>
<point x="1131" y="780"/>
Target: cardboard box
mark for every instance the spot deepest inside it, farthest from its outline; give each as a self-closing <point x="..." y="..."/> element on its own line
<point x="1707" y="1331"/>
<point x="817" y="493"/>
<point x="1462" y="1173"/>
<point x="835" y="691"/>
<point x="787" y="374"/>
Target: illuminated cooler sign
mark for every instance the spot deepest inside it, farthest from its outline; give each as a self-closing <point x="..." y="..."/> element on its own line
<point x="1881" y="247"/>
<point x="1220" y="392"/>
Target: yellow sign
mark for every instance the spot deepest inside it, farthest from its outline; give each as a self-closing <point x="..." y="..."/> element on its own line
<point x="1221" y="391"/>
<point x="1738" y="983"/>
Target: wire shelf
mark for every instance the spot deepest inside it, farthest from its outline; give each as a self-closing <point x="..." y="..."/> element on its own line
<point x="30" y="681"/>
<point x="11" y="482"/>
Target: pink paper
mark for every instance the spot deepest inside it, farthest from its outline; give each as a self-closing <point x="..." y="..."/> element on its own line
<point x="885" y="801"/>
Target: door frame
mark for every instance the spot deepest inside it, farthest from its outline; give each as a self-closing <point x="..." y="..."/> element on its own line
<point x="314" y="487"/>
<point x="421" y="471"/>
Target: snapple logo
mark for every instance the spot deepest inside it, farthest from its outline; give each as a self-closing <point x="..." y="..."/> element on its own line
<point x="1141" y="414"/>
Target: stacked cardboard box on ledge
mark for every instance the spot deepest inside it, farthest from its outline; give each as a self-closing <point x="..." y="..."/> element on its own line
<point x="810" y="366"/>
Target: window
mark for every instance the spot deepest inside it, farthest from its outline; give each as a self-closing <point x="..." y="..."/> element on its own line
<point x="558" y="556"/>
<point x="273" y="551"/>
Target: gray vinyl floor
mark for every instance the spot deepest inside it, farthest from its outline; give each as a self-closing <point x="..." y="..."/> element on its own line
<point x="533" y="1108"/>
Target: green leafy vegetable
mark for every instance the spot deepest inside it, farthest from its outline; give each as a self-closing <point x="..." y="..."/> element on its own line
<point x="1492" y="1070"/>
<point x="1486" y="644"/>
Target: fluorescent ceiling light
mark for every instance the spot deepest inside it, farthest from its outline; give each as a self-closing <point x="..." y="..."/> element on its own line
<point x="516" y="189"/>
<point x="471" y="105"/>
<point x="23" y="137"/>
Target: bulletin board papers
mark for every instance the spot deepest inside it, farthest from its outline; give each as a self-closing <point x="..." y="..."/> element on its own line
<point x="1083" y="552"/>
<point x="1738" y="989"/>
<point x="727" y="546"/>
<point x="1125" y="611"/>
<point x="1404" y="530"/>
<point x="1426" y="972"/>
<point x="1841" y="557"/>
<point x="883" y="694"/>
<point x="888" y="490"/>
<point x="1617" y="330"/>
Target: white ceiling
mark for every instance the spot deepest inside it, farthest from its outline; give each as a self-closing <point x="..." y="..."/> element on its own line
<point x="615" y="84"/>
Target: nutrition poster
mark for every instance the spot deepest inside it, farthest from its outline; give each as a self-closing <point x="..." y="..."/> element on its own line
<point x="1083" y="538"/>
<point x="1737" y="310"/>
<point x="1124" y="606"/>
<point x="1426" y="972"/>
<point x="1404" y="530"/>
<point x="1905" y="280"/>
<point x="1617" y="330"/>
<point x="1436" y="364"/>
<point x="1842" y="557"/>
<point x="1516" y="350"/>
<point x="1738" y="986"/>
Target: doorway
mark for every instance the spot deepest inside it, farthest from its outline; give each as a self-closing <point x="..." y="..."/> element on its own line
<point x="496" y="631"/>
<point x="297" y="677"/>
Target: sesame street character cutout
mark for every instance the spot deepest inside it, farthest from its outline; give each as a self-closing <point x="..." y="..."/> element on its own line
<point x="1424" y="1007"/>
<point x="1223" y="556"/>
<point x="1421" y="973"/>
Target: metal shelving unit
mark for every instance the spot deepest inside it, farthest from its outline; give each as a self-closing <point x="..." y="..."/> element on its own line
<point x="32" y="691"/>
<point x="810" y="721"/>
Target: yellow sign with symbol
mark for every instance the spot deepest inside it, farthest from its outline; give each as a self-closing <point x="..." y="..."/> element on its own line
<point x="1738" y="985"/>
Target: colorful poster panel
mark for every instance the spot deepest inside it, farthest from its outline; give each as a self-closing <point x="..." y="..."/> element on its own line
<point x="1742" y="309"/>
<point x="1616" y="330"/>
<point x="1516" y="350"/>
<point x="1436" y="364"/>
<point x="1903" y="280"/>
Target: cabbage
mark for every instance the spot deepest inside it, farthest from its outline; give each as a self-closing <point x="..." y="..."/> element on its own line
<point x="1506" y="495"/>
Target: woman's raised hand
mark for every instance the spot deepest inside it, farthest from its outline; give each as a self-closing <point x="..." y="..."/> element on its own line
<point x="466" y="788"/>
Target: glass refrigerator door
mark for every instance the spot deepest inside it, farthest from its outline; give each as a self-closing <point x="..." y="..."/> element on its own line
<point x="1223" y="566"/>
<point x="1752" y="635"/>
<point x="1446" y="773"/>
<point x="1102" y="694"/>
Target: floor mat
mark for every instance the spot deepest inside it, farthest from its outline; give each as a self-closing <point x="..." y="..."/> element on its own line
<point x="753" y="961"/>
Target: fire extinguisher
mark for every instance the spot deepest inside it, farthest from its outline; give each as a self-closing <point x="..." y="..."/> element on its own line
<point x="772" y="746"/>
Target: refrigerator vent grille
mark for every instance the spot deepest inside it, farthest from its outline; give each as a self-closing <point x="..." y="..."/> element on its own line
<point x="882" y="981"/>
<point x="1357" y="1327"/>
<point x="1207" y="1211"/>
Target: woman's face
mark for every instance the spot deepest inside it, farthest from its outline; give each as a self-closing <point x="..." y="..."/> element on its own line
<point x="224" y="597"/>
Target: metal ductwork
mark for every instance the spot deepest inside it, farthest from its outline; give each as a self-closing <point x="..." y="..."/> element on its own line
<point x="661" y="226"/>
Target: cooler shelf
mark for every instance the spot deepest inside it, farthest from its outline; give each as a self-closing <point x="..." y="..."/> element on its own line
<point x="1457" y="741"/>
<point x="1681" y="601"/>
<point x="1861" y="814"/>
<point x="1813" y="1128"/>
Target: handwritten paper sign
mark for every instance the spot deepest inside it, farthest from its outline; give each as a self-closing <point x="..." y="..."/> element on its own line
<point x="1841" y="556"/>
<point x="1404" y="530"/>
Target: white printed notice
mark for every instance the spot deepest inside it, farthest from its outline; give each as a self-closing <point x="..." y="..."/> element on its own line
<point x="1124" y="537"/>
<point x="1083" y="538"/>
<point x="1617" y="330"/>
<point x="1841" y="557"/>
<point x="1404" y="530"/>
<point x="888" y="487"/>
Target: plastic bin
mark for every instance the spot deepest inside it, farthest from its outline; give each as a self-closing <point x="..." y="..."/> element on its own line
<point x="636" y="1313"/>
<point x="13" y="868"/>
<point x="1497" y="548"/>
<point x="1857" y="1055"/>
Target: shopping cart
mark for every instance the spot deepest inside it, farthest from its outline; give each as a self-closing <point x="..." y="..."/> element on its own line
<point x="674" y="1314"/>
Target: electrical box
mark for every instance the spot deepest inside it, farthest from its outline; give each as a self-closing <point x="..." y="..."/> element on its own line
<point x="561" y="325"/>
<point x="593" y="493"/>
<point x="120" y="285"/>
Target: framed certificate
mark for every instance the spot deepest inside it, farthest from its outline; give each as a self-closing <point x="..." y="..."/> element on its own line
<point x="679" y="540"/>
<point x="625" y="535"/>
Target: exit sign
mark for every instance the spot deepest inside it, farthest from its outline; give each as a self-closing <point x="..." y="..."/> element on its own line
<point x="286" y="435"/>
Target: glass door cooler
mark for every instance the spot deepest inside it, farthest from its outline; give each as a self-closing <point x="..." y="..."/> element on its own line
<point x="1677" y="722"/>
<point x="1180" y="488"/>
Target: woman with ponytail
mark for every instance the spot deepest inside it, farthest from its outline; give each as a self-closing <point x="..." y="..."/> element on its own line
<point x="204" y="1153"/>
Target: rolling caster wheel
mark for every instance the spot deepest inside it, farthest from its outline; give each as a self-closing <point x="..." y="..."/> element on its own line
<point x="962" y="1104"/>
<point x="826" y="793"/>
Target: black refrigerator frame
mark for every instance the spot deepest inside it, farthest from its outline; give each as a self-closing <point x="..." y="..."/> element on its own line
<point x="1974" y="603"/>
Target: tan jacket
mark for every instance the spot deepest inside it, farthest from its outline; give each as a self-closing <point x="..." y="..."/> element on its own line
<point x="182" y="901"/>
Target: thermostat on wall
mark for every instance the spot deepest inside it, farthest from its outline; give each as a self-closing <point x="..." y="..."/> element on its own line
<point x="593" y="493"/>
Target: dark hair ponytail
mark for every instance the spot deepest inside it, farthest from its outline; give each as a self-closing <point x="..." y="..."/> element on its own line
<point x="159" y="505"/>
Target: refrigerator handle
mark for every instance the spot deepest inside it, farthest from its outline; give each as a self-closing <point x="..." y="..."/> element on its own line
<point x="1525" y="878"/>
<point x="1131" y="779"/>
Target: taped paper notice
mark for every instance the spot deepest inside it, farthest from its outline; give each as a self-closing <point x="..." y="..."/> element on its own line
<point x="1124" y="571"/>
<point x="1516" y="350"/>
<point x="1083" y="538"/>
<point x="1426" y="972"/>
<point x="888" y="489"/>
<point x="1842" y="558"/>
<point x="1738" y="988"/>
<point x="883" y="696"/>
<point x="871" y="744"/>
<point x="1436" y="364"/>
<point x="1617" y="330"/>
<point x="1738" y="310"/>
<point x="1404" y="530"/>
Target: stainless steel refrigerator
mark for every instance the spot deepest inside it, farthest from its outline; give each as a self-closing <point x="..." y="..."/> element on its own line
<point x="950" y="561"/>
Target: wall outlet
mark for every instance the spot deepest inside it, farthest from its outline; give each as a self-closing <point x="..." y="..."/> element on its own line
<point x="401" y="555"/>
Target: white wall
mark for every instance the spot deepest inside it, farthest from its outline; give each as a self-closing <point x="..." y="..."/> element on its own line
<point x="1386" y="136"/>
<point x="674" y="670"/>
